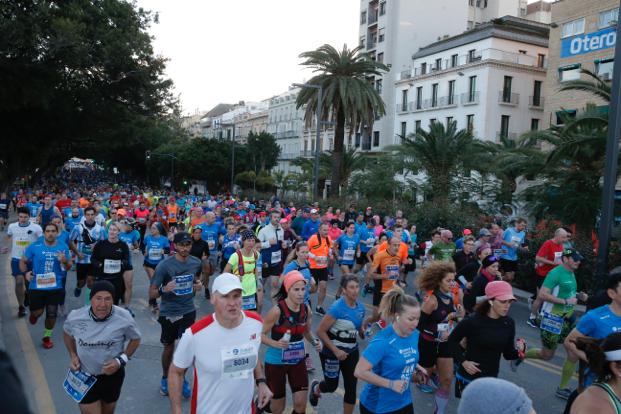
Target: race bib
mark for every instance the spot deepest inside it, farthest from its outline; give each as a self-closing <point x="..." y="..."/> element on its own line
<point x="349" y="254"/>
<point x="498" y="252"/>
<point x="392" y="271"/>
<point x="155" y="254"/>
<point x="238" y="362"/>
<point x="275" y="259"/>
<point x="211" y="244"/>
<point x="558" y="257"/>
<point x="294" y="352"/>
<point x="321" y="260"/>
<point x="2" y="206"/>
<point x="516" y="239"/>
<point x="184" y="285"/>
<point x="331" y="368"/>
<point x="112" y="266"/>
<point x="249" y="302"/>
<point x="78" y="383"/>
<point x="142" y="220"/>
<point x="87" y="250"/>
<point x="45" y="280"/>
<point x="551" y="323"/>
<point x="444" y="330"/>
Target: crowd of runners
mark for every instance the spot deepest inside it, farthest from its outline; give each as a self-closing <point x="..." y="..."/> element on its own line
<point x="264" y="266"/>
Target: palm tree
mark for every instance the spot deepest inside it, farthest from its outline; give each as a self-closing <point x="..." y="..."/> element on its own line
<point x="596" y="85"/>
<point x="441" y="153"/>
<point x="351" y="162"/>
<point x="349" y="99"/>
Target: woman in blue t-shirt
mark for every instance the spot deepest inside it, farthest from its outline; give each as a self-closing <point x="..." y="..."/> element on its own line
<point x="155" y="248"/>
<point x="339" y="330"/>
<point x="391" y="359"/>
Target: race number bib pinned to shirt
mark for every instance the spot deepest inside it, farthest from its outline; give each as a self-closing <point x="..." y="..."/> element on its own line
<point x="238" y="362"/>
<point x="184" y="285"/>
<point x="46" y="280"/>
<point x="112" y="266"/>
<point x="155" y="254"/>
<point x="331" y="368"/>
<point x="551" y="323"/>
<point x="78" y="383"/>
<point x="87" y="249"/>
<point x="348" y="254"/>
<point x="321" y="260"/>
<point x="558" y="257"/>
<point x="392" y="271"/>
<point x="276" y="256"/>
<point x="249" y="302"/>
<point x="211" y="244"/>
<point x="294" y="353"/>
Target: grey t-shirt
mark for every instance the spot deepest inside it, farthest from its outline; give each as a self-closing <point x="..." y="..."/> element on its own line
<point x="99" y="342"/>
<point x="180" y="301"/>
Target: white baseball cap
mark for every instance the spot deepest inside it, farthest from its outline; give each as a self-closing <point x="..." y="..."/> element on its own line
<point x="225" y="283"/>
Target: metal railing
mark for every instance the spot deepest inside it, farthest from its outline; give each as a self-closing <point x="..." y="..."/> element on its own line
<point x="470" y="98"/>
<point x="536" y="102"/>
<point x="372" y="19"/>
<point x="508" y="98"/>
<point x="402" y="108"/>
<point x="406" y="74"/>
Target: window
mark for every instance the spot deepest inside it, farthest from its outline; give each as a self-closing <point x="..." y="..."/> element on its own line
<point x="378" y="85"/>
<point x="362" y="39"/>
<point x="603" y="68"/>
<point x="472" y="55"/>
<point x="403" y="129"/>
<point x="423" y="68"/>
<point x="380" y="57"/>
<point x="568" y="73"/>
<point x="572" y="28"/>
<point x="438" y="64"/>
<point x="416" y="125"/>
<point x="504" y="126"/>
<point x="357" y="139"/>
<point x="382" y="8"/>
<point x="449" y="120"/>
<point x="541" y="60"/>
<point x="376" y="136"/>
<point x="561" y="115"/>
<point x="434" y="95"/>
<point x="363" y="17"/>
<point x="534" y="124"/>
<point x="419" y="97"/>
<point x="381" y="32"/>
<point x="470" y="123"/>
<point x="451" y="92"/>
<point x="432" y="121"/>
<point x="454" y="60"/>
<point x="472" y="86"/>
<point x="608" y="18"/>
<point x="404" y="100"/>
<point x="506" y="89"/>
<point x="537" y="93"/>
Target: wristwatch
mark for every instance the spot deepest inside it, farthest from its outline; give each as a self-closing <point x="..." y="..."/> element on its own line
<point x="259" y="381"/>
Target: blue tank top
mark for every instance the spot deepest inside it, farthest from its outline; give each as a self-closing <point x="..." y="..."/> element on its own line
<point x="46" y="215"/>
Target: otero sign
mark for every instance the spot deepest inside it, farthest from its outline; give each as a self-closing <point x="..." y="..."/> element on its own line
<point x="589" y="42"/>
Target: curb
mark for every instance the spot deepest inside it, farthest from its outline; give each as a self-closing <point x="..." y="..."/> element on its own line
<point x="523" y="296"/>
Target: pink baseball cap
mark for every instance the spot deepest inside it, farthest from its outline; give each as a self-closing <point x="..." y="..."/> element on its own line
<point x="499" y="290"/>
<point x="467" y="232"/>
<point x="291" y="278"/>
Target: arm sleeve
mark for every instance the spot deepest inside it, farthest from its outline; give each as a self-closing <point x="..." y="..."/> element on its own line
<point x="510" y="352"/>
<point x="459" y="332"/>
<point x="184" y="354"/>
<point x="126" y="261"/>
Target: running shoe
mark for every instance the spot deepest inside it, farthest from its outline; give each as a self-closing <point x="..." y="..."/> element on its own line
<point x="313" y="398"/>
<point x="77" y="292"/>
<point x="364" y="290"/>
<point x="47" y="342"/>
<point x="164" y="387"/>
<point x="515" y="363"/>
<point x="186" y="391"/>
<point x="21" y="312"/>
<point x="331" y="277"/>
<point x="532" y="322"/>
<point x="33" y="319"/>
<point x="319" y="310"/>
<point x="368" y="331"/>
<point x="563" y="393"/>
<point x="309" y="363"/>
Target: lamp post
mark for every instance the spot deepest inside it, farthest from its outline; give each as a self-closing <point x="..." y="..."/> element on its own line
<point x="232" y="155"/>
<point x="610" y="166"/>
<point x="149" y="154"/>
<point x="318" y="135"/>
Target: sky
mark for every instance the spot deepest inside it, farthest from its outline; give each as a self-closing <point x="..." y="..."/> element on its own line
<point x="233" y="50"/>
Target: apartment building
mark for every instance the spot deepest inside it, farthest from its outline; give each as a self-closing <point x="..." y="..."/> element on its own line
<point x="489" y="80"/>
<point x="286" y="123"/>
<point x="226" y="121"/>
<point x="582" y="36"/>
<point x="391" y="31"/>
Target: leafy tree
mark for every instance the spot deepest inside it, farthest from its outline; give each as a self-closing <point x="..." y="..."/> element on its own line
<point x="349" y="99"/>
<point x="377" y="180"/>
<point x="263" y="151"/>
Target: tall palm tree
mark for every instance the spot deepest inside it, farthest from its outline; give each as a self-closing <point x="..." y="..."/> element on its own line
<point x="349" y="99"/>
<point x="351" y="162"/>
<point x="595" y="85"/>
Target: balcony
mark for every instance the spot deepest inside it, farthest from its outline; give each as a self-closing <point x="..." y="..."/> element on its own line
<point x="510" y="135"/>
<point x="287" y="156"/>
<point x="286" y="134"/>
<point x="307" y="154"/>
<point x="508" y="98"/>
<point x="371" y="44"/>
<point x="406" y="74"/>
<point x="402" y="108"/>
<point x="470" y="98"/>
<point x="447" y="101"/>
<point x="373" y="15"/>
<point x="535" y="102"/>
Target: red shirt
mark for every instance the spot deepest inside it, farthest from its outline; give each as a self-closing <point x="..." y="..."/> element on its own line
<point x="550" y="251"/>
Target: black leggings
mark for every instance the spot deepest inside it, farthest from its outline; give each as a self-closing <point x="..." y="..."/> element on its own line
<point x="331" y="368"/>
<point x="408" y="409"/>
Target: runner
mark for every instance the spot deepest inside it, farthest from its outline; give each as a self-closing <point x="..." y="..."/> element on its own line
<point x="155" y="248"/>
<point x="513" y="240"/>
<point x="200" y="250"/>
<point x="231" y="242"/>
<point x="441" y="310"/>
<point x="445" y="248"/>
<point x="272" y="242"/>
<point x="286" y="324"/>
<point x="475" y="294"/>
<point x="489" y="333"/>
<point x="22" y="234"/>
<point x="347" y="247"/>
<point x="141" y="214"/>
<point x="73" y="218"/>
<point x="338" y="331"/>
<point x="131" y="237"/>
<point x="176" y="283"/>
<point x="319" y="248"/>
<point x="466" y="260"/>
<point x="390" y="361"/>
<point x="95" y="336"/>
<point x="211" y="233"/>
<point x="45" y="264"/>
<point x="557" y="316"/>
<point x="367" y="241"/>
<point x="311" y="226"/>
<point x="46" y="211"/>
<point x="224" y="349"/>
<point x="82" y="240"/>
<point x="173" y="212"/>
<point x="243" y="263"/>
<point x="5" y="203"/>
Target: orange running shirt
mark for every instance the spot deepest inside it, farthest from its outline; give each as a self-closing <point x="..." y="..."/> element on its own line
<point x="321" y="251"/>
<point x="385" y="262"/>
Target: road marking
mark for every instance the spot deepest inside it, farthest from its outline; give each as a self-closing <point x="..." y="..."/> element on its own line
<point x="40" y="388"/>
<point x="546" y="366"/>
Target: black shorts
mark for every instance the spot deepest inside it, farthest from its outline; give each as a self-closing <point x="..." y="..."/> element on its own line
<point x="410" y="267"/>
<point x="106" y="389"/>
<point x="82" y="270"/>
<point x="408" y="409"/>
<point x="508" y="265"/>
<point x="362" y="259"/>
<point x="119" y="288"/>
<point x="430" y="351"/>
<point x="171" y="331"/>
<point x="277" y="376"/>
<point x="39" y="299"/>
<point x="539" y="281"/>
<point x="149" y="265"/>
<point x="320" y="275"/>
<point x="4" y="214"/>
<point x="377" y="292"/>
<point x="273" y="270"/>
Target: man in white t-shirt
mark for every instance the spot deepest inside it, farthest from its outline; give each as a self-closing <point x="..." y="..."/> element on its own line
<point x="224" y="349"/>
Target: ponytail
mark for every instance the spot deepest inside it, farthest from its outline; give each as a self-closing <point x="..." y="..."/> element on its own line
<point x="595" y="350"/>
<point x="394" y="301"/>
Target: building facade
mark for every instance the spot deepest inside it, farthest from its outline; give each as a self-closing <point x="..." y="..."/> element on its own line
<point x="582" y="36"/>
<point x="488" y="80"/>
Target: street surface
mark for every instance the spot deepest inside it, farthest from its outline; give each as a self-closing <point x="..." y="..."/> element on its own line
<point x="43" y="371"/>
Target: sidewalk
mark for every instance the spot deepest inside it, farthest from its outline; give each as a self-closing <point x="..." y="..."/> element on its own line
<point x="522" y="296"/>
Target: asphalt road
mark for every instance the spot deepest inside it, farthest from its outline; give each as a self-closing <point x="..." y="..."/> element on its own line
<point x="43" y="371"/>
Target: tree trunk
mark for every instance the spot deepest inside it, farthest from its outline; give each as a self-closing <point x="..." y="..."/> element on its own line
<point x="337" y="154"/>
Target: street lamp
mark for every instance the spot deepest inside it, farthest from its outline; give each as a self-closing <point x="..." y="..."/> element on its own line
<point x="232" y="155"/>
<point x="318" y="135"/>
<point x="149" y="154"/>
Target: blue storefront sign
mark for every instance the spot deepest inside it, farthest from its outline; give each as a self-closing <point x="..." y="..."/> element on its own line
<point x="588" y="42"/>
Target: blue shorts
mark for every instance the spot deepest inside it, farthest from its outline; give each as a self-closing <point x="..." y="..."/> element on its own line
<point x="15" y="267"/>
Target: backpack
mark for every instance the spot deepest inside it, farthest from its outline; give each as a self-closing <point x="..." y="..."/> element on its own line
<point x="240" y="261"/>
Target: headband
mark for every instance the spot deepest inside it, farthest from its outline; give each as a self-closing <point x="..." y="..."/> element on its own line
<point x="613" y="356"/>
